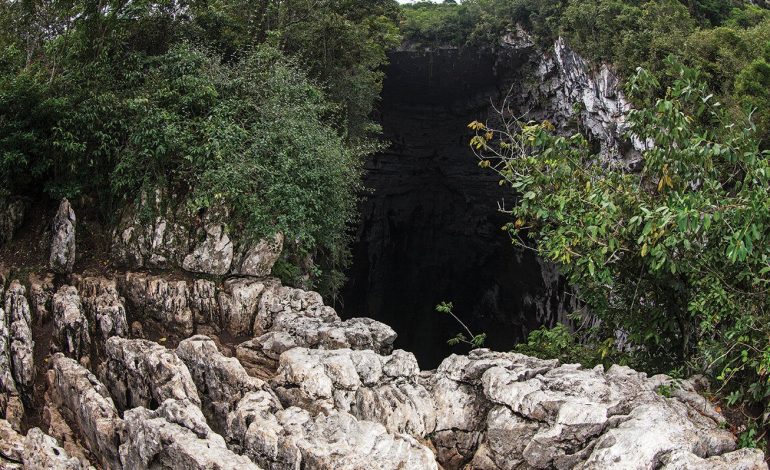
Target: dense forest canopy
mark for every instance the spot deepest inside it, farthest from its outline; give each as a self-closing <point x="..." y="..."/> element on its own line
<point x="259" y="105"/>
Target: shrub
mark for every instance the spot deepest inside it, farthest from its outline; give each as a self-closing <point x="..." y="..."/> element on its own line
<point x="674" y="258"/>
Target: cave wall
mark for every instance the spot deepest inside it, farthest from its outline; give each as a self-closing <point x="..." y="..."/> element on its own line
<point x="430" y="227"/>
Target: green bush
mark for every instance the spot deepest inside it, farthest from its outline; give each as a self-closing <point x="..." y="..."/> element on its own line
<point x="676" y="256"/>
<point x="263" y="109"/>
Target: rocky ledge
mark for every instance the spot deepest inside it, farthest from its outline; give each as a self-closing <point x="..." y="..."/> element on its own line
<point x="280" y="382"/>
<point x="170" y="371"/>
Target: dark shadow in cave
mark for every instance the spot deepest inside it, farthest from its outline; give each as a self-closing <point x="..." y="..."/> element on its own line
<point x="430" y="231"/>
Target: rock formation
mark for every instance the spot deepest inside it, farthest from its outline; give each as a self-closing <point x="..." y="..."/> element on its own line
<point x="11" y="218"/>
<point x="62" y="258"/>
<point x="175" y="237"/>
<point x="71" y="332"/>
<point x="344" y="402"/>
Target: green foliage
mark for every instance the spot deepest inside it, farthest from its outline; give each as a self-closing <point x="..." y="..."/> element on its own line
<point x="561" y="343"/>
<point x="674" y="256"/>
<point x="260" y="106"/>
<point x="446" y="24"/>
<point x="719" y="37"/>
<point x="472" y="340"/>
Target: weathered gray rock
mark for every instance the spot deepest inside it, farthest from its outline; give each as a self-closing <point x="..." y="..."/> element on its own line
<point x="11" y="218"/>
<point x="138" y="372"/>
<point x="62" y="258"/>
<point x="11" y="407"/>
<point x="202" y="300"/>
<point x="293" y="439"/>
<point x="566" y="88"/>
<point x="42" y="451"/>
<point x="290" y="302"/>
<point x="20" y="335"/>
<point x="11" y="447"/>
<point x="382" y="389"/>
<point x="461" y="407"/>
<point x="41" y="290"/>
<point x="86" y="404"/>
<point x="213" y="255"/>
<point x="175" y="437"/>
<point x="33" y="451"/>
<point x="297" y="331"/>
<point x="239" y="301"/>
<point x="741" y="459"/>
<point x="533" y="413"/>
<point x="159" y="240"/>
<point x="104" y="309"/>
<point x="158" y="299"/>
<point x="70" y="325"/>
<point x="58" y="428"/>
<point x="221" y="381"/>
<point x="258" y="260"/>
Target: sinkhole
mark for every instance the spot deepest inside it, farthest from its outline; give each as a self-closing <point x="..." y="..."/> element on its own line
<point x="430" y="226"/>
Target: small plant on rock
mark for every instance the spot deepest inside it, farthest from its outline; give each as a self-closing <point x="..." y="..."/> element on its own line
<point x="473" y="340"/>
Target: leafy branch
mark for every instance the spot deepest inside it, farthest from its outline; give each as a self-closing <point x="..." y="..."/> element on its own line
<point x="473" y="340"/>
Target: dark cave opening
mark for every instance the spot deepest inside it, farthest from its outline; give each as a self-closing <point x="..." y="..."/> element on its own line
<point x="430" y="229"/>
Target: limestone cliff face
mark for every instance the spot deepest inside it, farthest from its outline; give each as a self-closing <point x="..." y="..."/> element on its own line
<point x="430" y="228"/>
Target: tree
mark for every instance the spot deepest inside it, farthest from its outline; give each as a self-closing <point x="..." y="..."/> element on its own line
<point x="673" y="258"/>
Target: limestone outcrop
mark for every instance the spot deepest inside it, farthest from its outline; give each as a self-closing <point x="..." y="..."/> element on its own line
<point x="506" y="410"/>
<point x="36" y="450"/>
<point x="312" y="391"/>
<point x="222" y="381"/>
<point x="104" y="308"/>
<point x="62" y="258"/>
<point x="175" y="436"/>
<point x="11" y="218"/>
<point x="71" y="329"/>
<point x="11" y="406"/>
<point x="87" y="406"/>
<point x="19" y="317"/>
<point x="176" y="237"/>
<point x="143" y="373"/>
<point x="383" y="389"/>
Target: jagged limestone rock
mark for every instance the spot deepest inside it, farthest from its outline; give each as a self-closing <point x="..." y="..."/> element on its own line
<point x="11" y="447"/>
<point x="461" y="407"/>
<point x="202" y="300"/>
<point x="239" y="301"/>
<point x="86" y="404"/>
<point x="154" y="234"/>
<point x="41" y="290"/>
<point x="297" y="331"/>
<point x="62" y="258"/>
<point x="11" y="407"/>
<point x="507" y="410"/>
<point x="139" y="372"/>
<point x="71" y="329"/>
<point x="294" y="439"/>
<point x="22" y="346"/>
<point x="371" y="387"/>
<point x="221" y="381"/>
<point x="104" y="308"/>
<point x="214" y="255"/>
<point x="159" y="299"/>
<point x="175" y="436"/>
<point x="43" y="452"/>
<point x="58" y="428"/>
<point x="741" y="459"/>
<point x="258" y="260"/>
<point x="278" y="299"/>
<point x="11" y="218"/>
